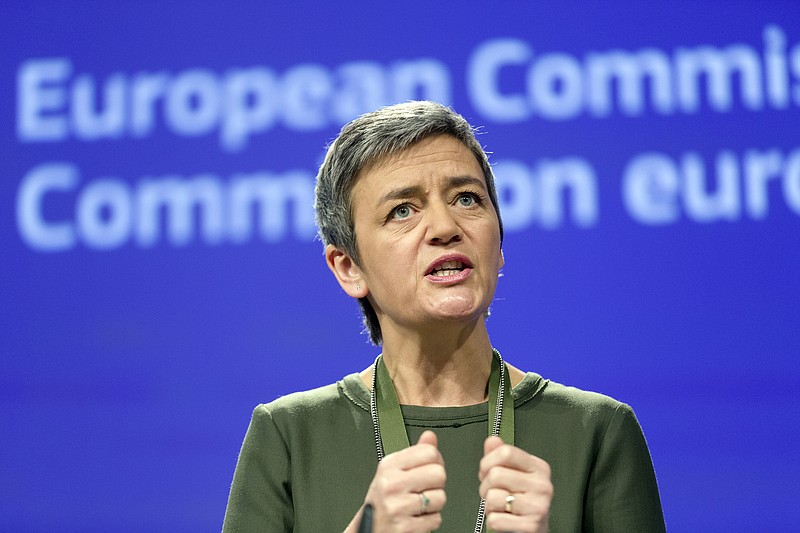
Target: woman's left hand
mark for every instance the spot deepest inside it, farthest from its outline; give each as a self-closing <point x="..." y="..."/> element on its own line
<point x="516" y="486"/>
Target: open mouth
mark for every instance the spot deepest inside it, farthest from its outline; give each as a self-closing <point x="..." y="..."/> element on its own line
<point x="448" y="268"/>
<point x="449" y="265"/>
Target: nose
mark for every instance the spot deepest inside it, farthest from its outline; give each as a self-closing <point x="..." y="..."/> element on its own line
<point x="442" y="226"/>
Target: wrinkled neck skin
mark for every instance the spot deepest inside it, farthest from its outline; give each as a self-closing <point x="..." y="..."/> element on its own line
<point x="439" y="367"/>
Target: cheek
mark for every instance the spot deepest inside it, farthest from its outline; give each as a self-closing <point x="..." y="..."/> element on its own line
<point x="489" y="237"/>
<point x="390" y="269"/>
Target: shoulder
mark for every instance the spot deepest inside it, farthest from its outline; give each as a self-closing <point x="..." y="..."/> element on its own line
<point x="300" y="403"/>
<point x="534" y="386"/>
<point x="310" y="405"/>
<point x="559" y="394"/>
<point x="308" y="400"/>
<point x="556" y="419"/>
<point x="587" y="408"/>
<point x="604" y="472"/>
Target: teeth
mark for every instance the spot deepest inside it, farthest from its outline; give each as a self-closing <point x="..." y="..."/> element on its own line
<point x="450" y="265"/>
<point x="448" y="268"/>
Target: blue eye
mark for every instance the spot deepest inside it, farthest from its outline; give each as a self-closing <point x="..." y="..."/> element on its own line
<point x="466" y="199"/>
<point x="401" y="211"/>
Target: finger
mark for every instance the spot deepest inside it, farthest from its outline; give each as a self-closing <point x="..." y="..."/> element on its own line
<point x="421" y="523"/>
<point x="496" y="500"/>
<point x="412" y="504"/>
<point x="412" y="457"/>
<point x="407" y="512"/>
<point x="491" y="443"/>
<point x="428" y="437"/>
<point x="512" y="457"/>
<point x="396" y="483"/>
<point x="424" y="477"/>
<point x="521" y="504"/>
<point x="515" y="482"/>
<point x="511" y="522"/>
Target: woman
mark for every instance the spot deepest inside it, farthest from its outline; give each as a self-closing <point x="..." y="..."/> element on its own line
<point x="407" y="209"/>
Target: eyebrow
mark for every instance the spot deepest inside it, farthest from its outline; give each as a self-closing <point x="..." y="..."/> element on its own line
<point x="415" y="190"/>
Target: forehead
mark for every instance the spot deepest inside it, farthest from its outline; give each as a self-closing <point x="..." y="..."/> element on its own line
<point x="425" y="163"/>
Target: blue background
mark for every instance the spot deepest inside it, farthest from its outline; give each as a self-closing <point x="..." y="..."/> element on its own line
<point x="128" y="375"/>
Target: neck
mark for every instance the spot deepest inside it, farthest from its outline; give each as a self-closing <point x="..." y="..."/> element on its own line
<point x="448" y="368"/>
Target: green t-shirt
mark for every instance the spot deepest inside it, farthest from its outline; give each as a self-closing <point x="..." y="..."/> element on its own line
<point x="308" y="458"/>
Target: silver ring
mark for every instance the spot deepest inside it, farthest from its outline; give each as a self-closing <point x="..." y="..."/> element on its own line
<point x="509" y="508"/>
<point x="424" y="501"/>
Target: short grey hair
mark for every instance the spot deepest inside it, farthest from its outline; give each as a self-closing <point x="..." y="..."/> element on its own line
<point x="362" y="142"/>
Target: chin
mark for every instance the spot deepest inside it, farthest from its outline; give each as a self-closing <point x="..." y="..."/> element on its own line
<point x="459" y="309"/>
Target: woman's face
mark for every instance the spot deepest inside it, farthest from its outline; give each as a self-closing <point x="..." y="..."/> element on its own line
<point x="428" y="235"/>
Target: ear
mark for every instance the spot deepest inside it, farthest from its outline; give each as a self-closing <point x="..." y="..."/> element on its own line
<point x="347" y="272"/>
<point x="502" y="259"/>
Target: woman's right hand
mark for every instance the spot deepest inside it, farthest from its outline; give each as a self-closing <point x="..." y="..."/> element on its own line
<point x="403" y="481"/>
